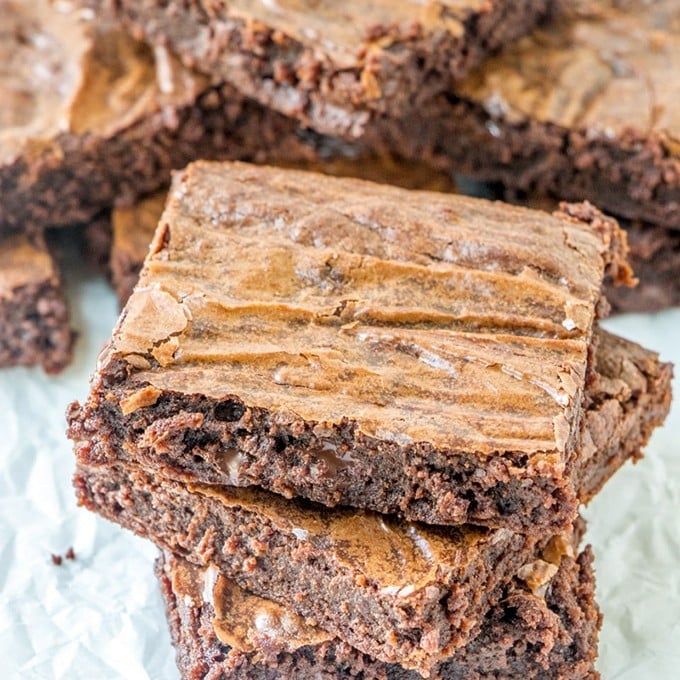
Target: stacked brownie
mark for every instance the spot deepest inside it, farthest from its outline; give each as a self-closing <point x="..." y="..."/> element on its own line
<point x="360" y="425"/>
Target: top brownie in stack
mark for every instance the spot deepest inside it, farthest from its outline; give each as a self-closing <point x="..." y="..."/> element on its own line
<point x="360" y="344"/>
<point x="329" y="64"/>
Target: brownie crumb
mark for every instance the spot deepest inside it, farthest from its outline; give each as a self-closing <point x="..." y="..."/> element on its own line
<point x="70" y="554"/>
<point x="57" y="560"/>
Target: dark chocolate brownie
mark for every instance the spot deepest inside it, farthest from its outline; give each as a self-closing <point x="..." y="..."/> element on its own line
<point x="331" y="65"/>
<point x="401" y="592"/>
<point x="106" y="118"/>
<point x="34" y="319"/>
<point x="584" y="108"/>
<point x="360" y="344"/>
<point x="655" y="257"/>
<point x="134" y="227"/>
<point x="221" y="632"/>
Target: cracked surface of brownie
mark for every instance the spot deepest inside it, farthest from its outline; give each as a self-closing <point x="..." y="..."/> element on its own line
<point x="383" y="351"/>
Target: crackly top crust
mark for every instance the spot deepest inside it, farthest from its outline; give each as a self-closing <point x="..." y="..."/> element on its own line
<point x="61" y="72"/>
<point x="24" y="261"/>
<point x="404" y="312"/>
<point x="133" y="227"/>
<point x="609" y="66"/>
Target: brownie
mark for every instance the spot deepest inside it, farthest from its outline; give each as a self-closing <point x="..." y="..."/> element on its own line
<point x="333" y="67"/>
<point x="584" y="108"/>
<point x="360" y="344"/>
<point x="133" y="227"/>
<point x="401" y="592"/>
<point x="92" y="116"/>
<point x="223" y="632"/>
<point x="655" y="257"/>
<point x="34" y="318"/>
<point x="132" y="231"/>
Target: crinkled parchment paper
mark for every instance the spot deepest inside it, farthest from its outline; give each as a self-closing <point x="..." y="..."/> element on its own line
<point x="100" y="616"/>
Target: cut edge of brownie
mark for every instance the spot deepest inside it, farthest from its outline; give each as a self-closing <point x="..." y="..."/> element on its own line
<point x="624" y="175"/>
<point x="616" y="426"/>
<point x="524" y="635"/>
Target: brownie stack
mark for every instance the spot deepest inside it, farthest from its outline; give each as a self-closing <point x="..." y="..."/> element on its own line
<point x="360" y="425"/>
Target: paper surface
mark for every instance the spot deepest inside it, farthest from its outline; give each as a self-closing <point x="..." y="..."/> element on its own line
<point x="100" y="616"/>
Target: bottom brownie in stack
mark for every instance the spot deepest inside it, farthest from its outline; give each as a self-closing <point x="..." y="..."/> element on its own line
<point x="221" y="632"/>
<point x="34" y="318"/>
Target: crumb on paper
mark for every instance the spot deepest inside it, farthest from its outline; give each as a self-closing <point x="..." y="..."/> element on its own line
<point x="57" y="560"/>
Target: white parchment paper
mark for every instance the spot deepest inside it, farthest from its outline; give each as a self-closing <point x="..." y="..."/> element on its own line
<point x="100" y="616"/>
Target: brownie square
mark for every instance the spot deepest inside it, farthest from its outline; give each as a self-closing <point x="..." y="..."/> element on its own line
<point x="222" y="632"/>
<point x="34" y="318"/>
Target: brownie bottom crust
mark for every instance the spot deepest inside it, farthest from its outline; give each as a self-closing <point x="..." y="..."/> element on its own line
<point x="525" y="636"/>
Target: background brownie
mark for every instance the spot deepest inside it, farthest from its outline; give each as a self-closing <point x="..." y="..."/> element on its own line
<point x="404" y="593"/>
<point x="655" y="258"/>
<point x="225" y="633"/>
<point x="328" y="66"/>
<point x="360" y="344"/>
<point x="108" y="118"/>
<point x="34" y="319"/>
<point x="586" y="107"/>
